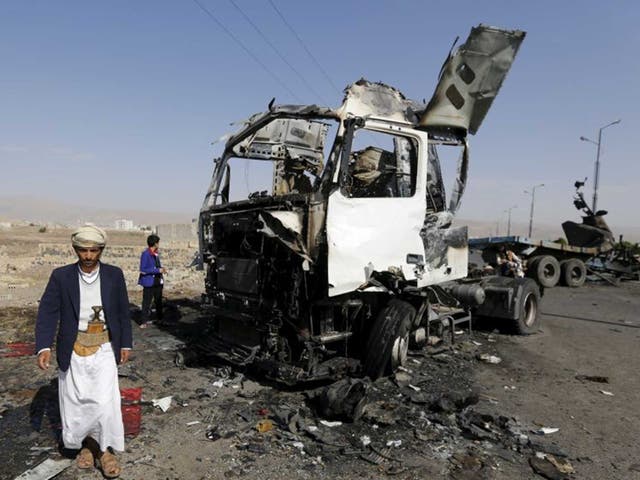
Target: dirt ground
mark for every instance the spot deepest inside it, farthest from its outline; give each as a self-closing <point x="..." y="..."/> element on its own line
<point x="449" y="415"/>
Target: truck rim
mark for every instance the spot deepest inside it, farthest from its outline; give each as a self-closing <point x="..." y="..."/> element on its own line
<point x="549" y="271"/>
<point x="576" y="273"/>
<point x="399" y="351"/>
<point x="530" y="309"/>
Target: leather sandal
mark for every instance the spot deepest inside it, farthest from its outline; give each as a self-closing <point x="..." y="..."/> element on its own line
<point x="109" y="465"/>
<point x="84" y="459"/>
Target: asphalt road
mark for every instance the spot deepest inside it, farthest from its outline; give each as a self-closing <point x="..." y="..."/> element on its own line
<point x="591" y="331"/>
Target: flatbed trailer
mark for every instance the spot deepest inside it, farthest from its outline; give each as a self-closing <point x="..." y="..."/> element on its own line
<point x="548" y="263"/>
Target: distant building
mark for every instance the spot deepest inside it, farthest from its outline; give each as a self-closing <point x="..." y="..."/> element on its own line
<point x="124" y="224"/>
<point x="180" y="232"/>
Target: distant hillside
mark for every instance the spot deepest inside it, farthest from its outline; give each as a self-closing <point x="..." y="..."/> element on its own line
<point x="39" y="210"/>
<point x="36" y="210"/>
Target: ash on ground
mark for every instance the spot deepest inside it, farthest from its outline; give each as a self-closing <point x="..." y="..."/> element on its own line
<point x="426" y="420"/>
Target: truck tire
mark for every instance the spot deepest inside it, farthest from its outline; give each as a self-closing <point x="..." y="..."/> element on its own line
<point x="546" y="271"/>
<point x="573" y="272"/>
<point x="388" y="340"/>
<point x="527" y="321"/>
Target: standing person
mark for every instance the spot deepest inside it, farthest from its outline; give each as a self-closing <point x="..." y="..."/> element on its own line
<point x="87" y="304"/>
<point x="152" y="279"/>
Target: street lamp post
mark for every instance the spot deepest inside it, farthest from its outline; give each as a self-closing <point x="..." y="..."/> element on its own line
<point x="533" y="197"/>
<point x="596" y="176"/>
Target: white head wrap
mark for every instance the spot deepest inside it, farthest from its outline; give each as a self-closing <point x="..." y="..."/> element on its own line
<point x="89" y="236"/>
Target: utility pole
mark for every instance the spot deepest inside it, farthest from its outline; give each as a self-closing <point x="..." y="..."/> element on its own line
<point x="509" y="219"/>
<point x="533" y="198"/>
<point x="596" y="176"/>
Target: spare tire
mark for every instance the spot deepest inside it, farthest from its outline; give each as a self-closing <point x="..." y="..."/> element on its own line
<point x="573" y="272"/>
<point x="546" y="271"/>
<point x="388" y="340"/>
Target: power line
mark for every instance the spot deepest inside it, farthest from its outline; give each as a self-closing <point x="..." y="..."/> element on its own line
<point x="275" y="49"/>
<point x="326" y="75"/>
<point x="248" y="52"/>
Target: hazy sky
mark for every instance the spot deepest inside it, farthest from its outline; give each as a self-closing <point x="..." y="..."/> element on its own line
<point x="115" y="104"/>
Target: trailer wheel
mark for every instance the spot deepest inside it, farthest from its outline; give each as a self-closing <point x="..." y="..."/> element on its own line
<point x="574" y="272"/>
<point x="546" y="271"/>
<point x="527" y="321"/>
<point x="388" y="341"/>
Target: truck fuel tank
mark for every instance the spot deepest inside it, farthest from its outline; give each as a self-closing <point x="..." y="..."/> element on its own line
<point x="470" y="294"/>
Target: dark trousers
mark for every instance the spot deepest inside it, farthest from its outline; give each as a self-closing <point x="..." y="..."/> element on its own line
<point x="148" y="294"/>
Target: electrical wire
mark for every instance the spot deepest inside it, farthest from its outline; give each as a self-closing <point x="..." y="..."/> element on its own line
<point x="275" y="49"/>
<point x="247" y="51"/>
<point x="326" y="75"/>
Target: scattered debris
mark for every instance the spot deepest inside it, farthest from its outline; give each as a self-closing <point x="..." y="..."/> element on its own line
<point x="41" y="449"/>
<point x="213" y="434"/>
<point x="343" y="400"/>
<point x="162" y="403"/>
<point x="545" y="468"/>
<point x="487" y="358"/>
<point x="45" y="470"/>
<point x="327" y="423"/>
<point x="377" y="457"/>
<point x="365" y="440"/>
<point x="394" y="443"/>
<point x="546" y="430"/>
<point x="562" y="464"/>
<point x="264" y="425"/>
<point x="592" y="378"/>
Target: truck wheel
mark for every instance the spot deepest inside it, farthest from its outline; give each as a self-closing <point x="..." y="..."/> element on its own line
<point x="388" y="341"/>
<point x="179" y="360"/>
<point x="546" y="271"/>
<point x="574" y="272"/>
<point x="527" y="321"/>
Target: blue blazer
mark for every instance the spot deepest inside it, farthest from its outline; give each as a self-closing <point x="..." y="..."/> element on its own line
<point x="148" y="269"/>
<point x="60" y="304"/>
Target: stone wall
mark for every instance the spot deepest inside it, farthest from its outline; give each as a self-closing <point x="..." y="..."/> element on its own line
<point x="26" y="262"/>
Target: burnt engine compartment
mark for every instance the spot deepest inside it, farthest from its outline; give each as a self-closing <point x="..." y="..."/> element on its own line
<point x="269" y="305"/>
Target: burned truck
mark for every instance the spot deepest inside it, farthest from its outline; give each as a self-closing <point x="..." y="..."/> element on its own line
<point x="324" y="259"/>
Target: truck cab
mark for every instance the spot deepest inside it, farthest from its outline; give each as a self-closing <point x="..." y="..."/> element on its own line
<point x="324" y="258"/>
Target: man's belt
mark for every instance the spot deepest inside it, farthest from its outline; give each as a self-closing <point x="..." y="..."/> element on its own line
<point x="89" y="343"/>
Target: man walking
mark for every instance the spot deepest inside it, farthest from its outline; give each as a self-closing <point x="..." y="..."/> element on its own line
<point x="152" y="279"/>
<point x="86" y="303"/>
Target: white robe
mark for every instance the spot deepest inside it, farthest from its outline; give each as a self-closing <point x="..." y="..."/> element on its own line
<point x="90" y="401"/>
<point x="88" y="391"/>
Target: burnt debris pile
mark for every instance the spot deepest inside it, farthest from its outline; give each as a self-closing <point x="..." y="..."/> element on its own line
<point x="426" y="418"/>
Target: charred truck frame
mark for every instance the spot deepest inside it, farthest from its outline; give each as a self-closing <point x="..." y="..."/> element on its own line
<point x="349" y="255"/>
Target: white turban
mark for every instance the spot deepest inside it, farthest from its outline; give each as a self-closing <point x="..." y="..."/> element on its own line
<point x="89" y="236"/>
